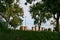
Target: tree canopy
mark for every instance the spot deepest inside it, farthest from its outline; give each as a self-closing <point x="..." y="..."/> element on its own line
<point x="51" y="6"/>
<point x="37" y="12"/>
<point x="11" y="9"/>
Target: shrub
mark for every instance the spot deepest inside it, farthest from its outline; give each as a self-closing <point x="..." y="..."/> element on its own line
<point x="3" y="25"/>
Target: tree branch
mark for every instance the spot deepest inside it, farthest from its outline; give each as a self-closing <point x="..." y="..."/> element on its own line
<point x="3" y="16"/>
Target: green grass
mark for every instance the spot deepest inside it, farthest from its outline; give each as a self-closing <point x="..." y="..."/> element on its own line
<point x="28" y="35"/>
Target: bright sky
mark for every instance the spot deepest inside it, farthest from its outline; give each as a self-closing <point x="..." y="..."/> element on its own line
<point x="28" y="21"/>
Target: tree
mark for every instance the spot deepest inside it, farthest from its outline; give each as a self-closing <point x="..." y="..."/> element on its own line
<point x="38" y="14"/>
<point x="12" y="10"/>
<point x="4" y="6"/>
<point x="52" y="6"/>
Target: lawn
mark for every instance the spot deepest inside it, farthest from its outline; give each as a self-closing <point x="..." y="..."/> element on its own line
<point x="28" y="35"/>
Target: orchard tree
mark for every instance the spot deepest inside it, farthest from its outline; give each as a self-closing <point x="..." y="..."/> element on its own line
<point x="37" y="13"/>
<point x="52" y="6"/>
<point x="10" y="10"/>
<point x="4" y="6"/>
<point x="14" y="11"/>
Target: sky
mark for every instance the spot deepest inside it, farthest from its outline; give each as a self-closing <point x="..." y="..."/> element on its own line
<point x="28" y="21"/>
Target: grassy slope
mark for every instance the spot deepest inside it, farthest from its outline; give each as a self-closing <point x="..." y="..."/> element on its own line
<point x="28" y="35"/>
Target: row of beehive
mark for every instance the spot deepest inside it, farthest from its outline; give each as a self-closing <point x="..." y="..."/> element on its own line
<point x="34" y="28"/>
<point x="23" y="28"/>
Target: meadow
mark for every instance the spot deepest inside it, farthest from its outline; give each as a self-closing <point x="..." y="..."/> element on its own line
<point x="28" y="35"/>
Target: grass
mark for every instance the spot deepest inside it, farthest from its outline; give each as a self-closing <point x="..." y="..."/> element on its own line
<point x="28" y="35"/>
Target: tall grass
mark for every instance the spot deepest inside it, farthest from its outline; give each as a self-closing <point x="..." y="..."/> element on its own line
<point x="28" y="35"/>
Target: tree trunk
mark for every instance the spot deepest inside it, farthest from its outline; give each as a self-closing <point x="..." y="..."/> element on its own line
<point x="39" y="25"/>
<point x="39" y="28"/>
<point x="57" y="23"/>
<point x="7" y="24"/>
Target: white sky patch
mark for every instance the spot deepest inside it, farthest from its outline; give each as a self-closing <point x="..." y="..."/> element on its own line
<point x="28" y="21"/>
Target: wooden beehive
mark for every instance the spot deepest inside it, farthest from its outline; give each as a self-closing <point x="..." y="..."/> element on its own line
<point x="23" y="28"/>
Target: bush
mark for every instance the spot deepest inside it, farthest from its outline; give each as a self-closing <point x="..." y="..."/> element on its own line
<point x="3" y="25"/>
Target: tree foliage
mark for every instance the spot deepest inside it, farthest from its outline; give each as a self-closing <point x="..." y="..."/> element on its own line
<point x="16" y="21"/>
<point x="52" y="6"/>
<point x="38" y="13"/>
<point x="10" y="9"/>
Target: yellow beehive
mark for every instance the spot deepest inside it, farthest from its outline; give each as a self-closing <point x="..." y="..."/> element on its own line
<point x="23" y="28"/>
<point x="35" y="28"/>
